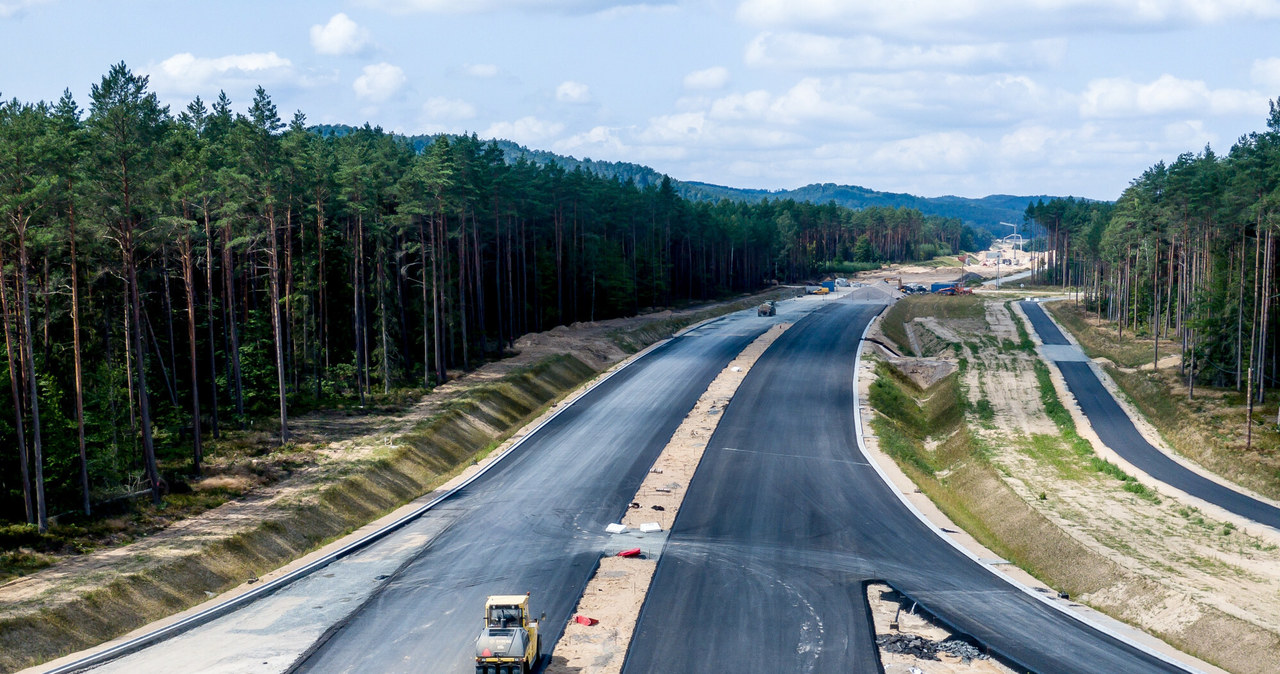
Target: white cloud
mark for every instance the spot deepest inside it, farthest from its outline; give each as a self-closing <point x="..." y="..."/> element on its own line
<point x="480" y="69"/>
<point x="187" y="73"/>
<point x="865" y="52"/>
<point x="930" y="152"/>
<point x="340" y="37"/>
<point x="597" y="139"/>
<point x="526" y="130"/>
<point x="1266" y="73"/>
<point x="710" y="78"/>
<point x="379" y="82"/>
<point x="448" y="109"/>
<point x="810" y="99"/>
<point x="573" y="92"/>
<point x="1122" y="97"/>
<point x="10" y="8"/>
<point x="483" y="6"/>
<point x="985" y="17"/>
<point x="690" y="129"/>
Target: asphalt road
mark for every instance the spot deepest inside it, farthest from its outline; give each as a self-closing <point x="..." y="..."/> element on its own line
<point x="535" y="522"/>
<point x="1116" y="430"/>
<point x="784" y="523"/>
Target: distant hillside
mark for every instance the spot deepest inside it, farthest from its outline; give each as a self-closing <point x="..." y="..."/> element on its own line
<point x="986" y="213"/>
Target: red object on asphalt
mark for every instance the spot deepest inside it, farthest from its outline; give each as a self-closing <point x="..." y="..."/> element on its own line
<point x="633" y="552"/>
<point x="583" y="620"/>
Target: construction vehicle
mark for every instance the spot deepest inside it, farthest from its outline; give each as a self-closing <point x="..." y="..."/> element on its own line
<point x="509" y="642"/>
<point x="767" y="309"/>
<point x="895" y="278"/>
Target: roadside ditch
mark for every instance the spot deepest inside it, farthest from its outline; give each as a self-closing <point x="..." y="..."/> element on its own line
<point x="993" y="447"/>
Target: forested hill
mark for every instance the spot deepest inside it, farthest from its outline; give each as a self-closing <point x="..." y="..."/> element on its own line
<point x="986" y="213"/>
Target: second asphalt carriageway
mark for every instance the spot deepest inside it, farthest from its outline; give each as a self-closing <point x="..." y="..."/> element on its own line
<point x="1116" y="429"/>
<point x="786" y="521"/>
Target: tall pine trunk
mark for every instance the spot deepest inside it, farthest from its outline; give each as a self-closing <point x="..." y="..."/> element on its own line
<point x="79" y="367"/>
<point x="24" y="459"/>
<point x="187" y="254"/>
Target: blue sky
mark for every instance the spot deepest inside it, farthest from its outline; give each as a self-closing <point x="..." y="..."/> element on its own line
<point x="932" y="97"/>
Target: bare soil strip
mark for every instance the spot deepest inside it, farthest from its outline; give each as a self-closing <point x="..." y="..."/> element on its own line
<point x="1200" y="582"/>
<point x="912" y="642"/>
<point x="615" y="594"/>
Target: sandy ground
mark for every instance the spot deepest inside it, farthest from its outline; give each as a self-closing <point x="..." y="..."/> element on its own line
<point x="615" y="593"/>
<point x="1195" y="557"/>
<point x="894" y="614"/>
<point x="1201" y="553"/>
<point x="964" y="540"/>
<point x="925" y="275"/>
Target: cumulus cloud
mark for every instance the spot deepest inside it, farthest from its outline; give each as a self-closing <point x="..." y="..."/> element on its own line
<point x="379" y="82"/>
<point x="573" y="92"/>
<point x="930" y="152"/>
<point x="689" y="129"/>
<point x="1121" y="97"/>
<point x="340" y="37"/>
<point x="865" y="52"/>
<point x="448" y="109"/>
<point x="187" y="73"/>
<point x="480" y="70"/>
<point x="599" y="138"/>
<point x="10" y="8"/>
<point x="1266" y="72"/>
<point x="526" y="130"/>
<point x="484" y="6"/>
<point x="709" y="78"/>
<point x="1043" y="17"/>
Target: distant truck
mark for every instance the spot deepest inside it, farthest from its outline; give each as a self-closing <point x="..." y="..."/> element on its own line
<point x="509" y="642"/>
<point x="767" y="309"/>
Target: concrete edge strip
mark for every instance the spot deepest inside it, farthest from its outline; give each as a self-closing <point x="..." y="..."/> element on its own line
<point x="235" y="603"/>
<point x="940" y="534"/>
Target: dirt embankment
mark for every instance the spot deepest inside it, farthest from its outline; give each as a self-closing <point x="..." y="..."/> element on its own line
<point x="1032" y="489"/>
<point x="357" y="469"/>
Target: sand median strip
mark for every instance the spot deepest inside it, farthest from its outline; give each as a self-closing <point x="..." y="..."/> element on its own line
<point x="617" y="590"/>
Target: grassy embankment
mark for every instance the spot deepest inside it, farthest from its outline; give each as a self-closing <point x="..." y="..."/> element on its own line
<point x="1209" y="429"/>
<point x="927" y="433"/>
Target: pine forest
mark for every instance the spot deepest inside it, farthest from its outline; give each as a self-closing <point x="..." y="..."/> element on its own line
<point x="168" y="276"/>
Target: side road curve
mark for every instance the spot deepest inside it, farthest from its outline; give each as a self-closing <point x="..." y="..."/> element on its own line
<point x="1116" y="429"/>
<point x="785" y="522"/>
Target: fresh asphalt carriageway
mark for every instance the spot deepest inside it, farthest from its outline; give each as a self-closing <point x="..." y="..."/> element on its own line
<point x="535" y="522"/>
<point x="1116" y="430"/>
<point x="785" y="521"/>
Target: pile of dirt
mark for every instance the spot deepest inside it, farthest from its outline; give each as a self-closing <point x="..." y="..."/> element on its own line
<point x="928" y="649"/>
<point x="925" y="372"/>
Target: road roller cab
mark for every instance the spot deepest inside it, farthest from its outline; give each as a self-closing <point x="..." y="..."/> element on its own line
<point x="509" y="642"/>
